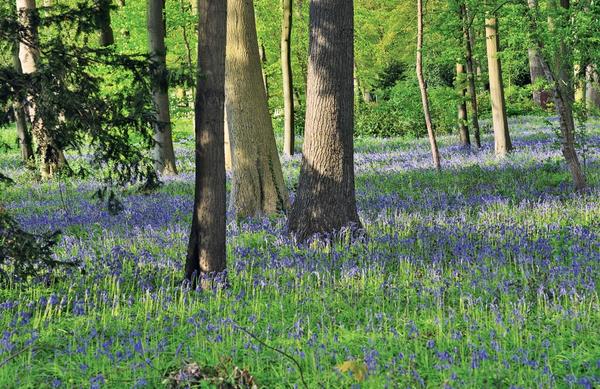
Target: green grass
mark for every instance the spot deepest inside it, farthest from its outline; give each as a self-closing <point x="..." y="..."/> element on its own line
<point x="485" y="275"/>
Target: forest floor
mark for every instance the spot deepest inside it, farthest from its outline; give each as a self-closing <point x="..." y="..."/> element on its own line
<point x="484" y="275"/>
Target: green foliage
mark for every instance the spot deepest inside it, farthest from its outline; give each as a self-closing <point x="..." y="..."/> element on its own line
<point x="24" y="255"/>
<point x="401" y="114"/>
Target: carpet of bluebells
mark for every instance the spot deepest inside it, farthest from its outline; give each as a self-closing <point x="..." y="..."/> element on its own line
<point x="484" y="275"/>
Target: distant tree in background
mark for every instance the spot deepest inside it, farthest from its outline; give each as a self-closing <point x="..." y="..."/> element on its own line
<point x="541" y="97"/>
<point x="22" y="124"/>
<point x="206" y="249"/>
<point x="287" y="78"/>
<point x="463" y="128"/>
<point x="467" y="22"/>
<point x="325" y="200"/>
<point x="258" y="187"/>
<point x="107" y="36"/>
<point x="557" y="63"/>
<point x="435" y="155"/>
<point x="503" y="144"/>
<point x="164" y="154"/>
<point x="51" y="156"/>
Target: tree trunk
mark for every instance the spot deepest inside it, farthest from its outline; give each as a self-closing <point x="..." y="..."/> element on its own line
<point x="262" y="54"/>
<point x="51" y="157"/>
<point x="592" y="88"/>
<point x="502" y="141"/>
<point x="21" y="118"/>
<point x="423" y="86"/>
<point x="107" y="37"/>
<point x="258" y="187"/>
<point x="206" y="250"/>
<point x="463" y="129"/>
<point x="561" y="77"/>
<point x="470" y="76"/>
<point x="325" y="200"/>
<point x="540" y="96"/>
<point x="164" y="154"/>
<point x="287" y="80"/>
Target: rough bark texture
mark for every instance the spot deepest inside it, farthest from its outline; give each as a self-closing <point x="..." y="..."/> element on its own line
<point x="561" y="77"/>
<point x="164" y="154"/>
<point x="435" y="155"/>
<point x="206" y="249"/>
<point x="258" y="187"/>
<point x="51" y="157"/>
<point x="540" y="97"/>
<point x="287" y="80"/>
<point x="463" y="129"/>
<point x="23" y="133"/>
<point x="502" y="141"/>
<point x="471" y="76"/>
<point x="592" y="88"/>
<point x="107" y="37"/>
<point x="325" y="200"/>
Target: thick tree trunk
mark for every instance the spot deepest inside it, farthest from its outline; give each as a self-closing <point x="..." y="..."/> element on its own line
<point x="287" y="80"/>
<point x="502" y="140"/>
<point x="23" y="133"/>
<point x="471" y="76"/>
<point x="592" y="88"/>
<point x="107" y="37"/>
<point x="51" y="157"/>
<point x="423" y="87"/>
<point x="561" y="77"/>
<point x="206" y="250"/>
<point x="164" y="154"/>
<point x="540" y="97"/>
<point x="325" y="201"/>
<point x="258" y="187"/>
<point x="463" y="129"/>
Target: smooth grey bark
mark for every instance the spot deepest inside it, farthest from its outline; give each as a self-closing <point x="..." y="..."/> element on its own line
<point x="325" y="201"/>
<point x="206" y="249"/>
<point x="435" y="155"/>
<point x="502" y="142"/>
<point x="287" y="79"/>
<point x="164" y="153"/>
<point x="258" y="187"/>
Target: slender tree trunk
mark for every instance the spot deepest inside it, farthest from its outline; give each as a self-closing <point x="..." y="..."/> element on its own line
<point x="471" y="76"/>
<point x="287" y="80"/>
<point x="258" y="187"/>
<point x="107" y="37"/>
<point x="561" y="77"/>
<point x="592" y="88"/>
<point x="228" y="151"/>
<point x="463" y="129"/>
<point x="23" y="133"/>
<point x="262" y="54"/>
<point x="423" y="86"/>
<point x="206" y="250"/>
<point x="164" y="154"/>
<point x="51" y="157"/>
<point x="325" y="201"/>
<point x="540" y="97"/>
<point x="502" y="140"/>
